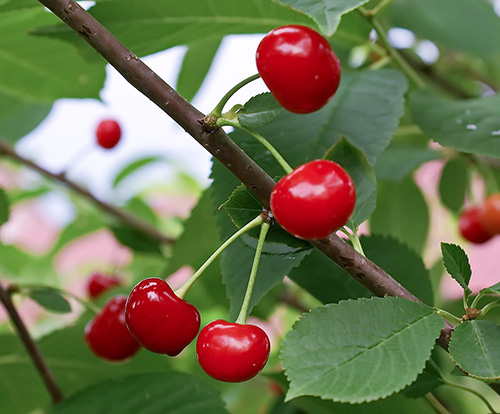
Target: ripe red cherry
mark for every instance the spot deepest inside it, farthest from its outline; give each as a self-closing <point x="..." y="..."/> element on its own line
<point x="108" y="133"/>
<point x="314" y="199"/>
<point x="161" y="321"/>
<point x="470" y="227"/>
<point x="232" y="352"/>
<point x="106" y="334"/>
<point x="99" y="283"/>
<point x="489" y="214"/>
<point x="299" y="67"/>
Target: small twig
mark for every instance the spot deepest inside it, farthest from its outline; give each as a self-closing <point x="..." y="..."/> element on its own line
<point x="31" y="347"/>
<point x="125" y="217"/>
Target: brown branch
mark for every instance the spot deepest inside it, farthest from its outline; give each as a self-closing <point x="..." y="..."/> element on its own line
<point x="123" y="216"/>
<point x="31" y="347"/>
<point x="218" y="144"/>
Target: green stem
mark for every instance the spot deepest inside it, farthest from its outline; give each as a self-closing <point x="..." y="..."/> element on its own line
<point x="383" y="4"/>
<point x="257" y="221"/>
<point x="242" y="317"/>
<point x="217" y="112"/>
<point x="474" y="392"/>
<point x="464" y="300"/>
<point x="486" y="172"/>
<point x="489" y="307"/>
<point x="267" y="145"/>
<point x="382" y="35"/>
<point x="436" y="404"/>
<point x="476" y="300"/>
<point x="353" y="237"/>
<point x="445" y="314"/>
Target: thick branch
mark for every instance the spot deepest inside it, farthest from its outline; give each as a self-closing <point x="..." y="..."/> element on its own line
<point x="129" y="219"/>
<point x="218" y="143"/>
<point x="31" y="347"/>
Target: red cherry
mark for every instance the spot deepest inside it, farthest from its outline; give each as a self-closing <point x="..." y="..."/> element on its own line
<point x="471" y="228"/>
<point x="232" y="352"/>
<point x="99" y="283"/>
<point x="108" y="133"/>
<point x="161" y="321"/>
<point x="489" y="214"/>
<point x="314" y="199"/>
<point x="299" y="67"/>
<point x="107" y="336"/>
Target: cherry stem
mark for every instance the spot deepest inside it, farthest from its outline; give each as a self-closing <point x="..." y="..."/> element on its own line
<point x="31" y="347"/>
<point x="436" y="404"/>
<point x="217" y="111"/>
<point x="450" y="316"/>
<point x="489" y="307"/>
<point x="257" y="221"/>
<point x="380" y="6"/>
<point x="242" y="317"/>
<point x="476" y="300"/>
<point x="484" y="169"/>
<point x="80" y="155"/>
<point x="267" y="145"/>
<point x="474" y="392"/>
<point x="354" y="238"/>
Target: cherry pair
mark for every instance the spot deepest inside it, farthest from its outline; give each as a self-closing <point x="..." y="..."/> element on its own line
<point x="480" y="223"/>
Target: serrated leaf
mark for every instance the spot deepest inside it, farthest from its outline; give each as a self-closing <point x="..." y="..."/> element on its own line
<point x="259" y="111"/>
<point x="395" y="201"/>
<point x="470" y="125"/>
<point x="132" y="167"/>
<point x="4" y="207"/>
<point x="474" y="348"/>
<point x="50" y="300"/>
<point x="457" y="264"/>
<point x="152" y="393"/>
<point x="326" y="13"/>
<point x="428" y="381"/>
<point x="492" y="290"/>
<point x="359" y="351"/>
<point x="361" y="172"/>
<point x="453" y="183"/>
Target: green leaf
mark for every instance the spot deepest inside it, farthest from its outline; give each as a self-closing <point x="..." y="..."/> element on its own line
<point x="4" y="207"/>
<point x="457" y="264"/>
<point x="398" y="161"/>
<point x="28" y="66"/>
<point x="359" y="351"/>
<point x="195" y="66"/>
<point x="135" y="239"/>
<point x="453" y="183"/>
<point x="470" y="125"/>
<point x="492" y="290"/>
<point x="428" y="381"/>
<point x="401" y="213"/>
<point x="134" y="166"/>
<point x="17" y="117"/>
<point x="326" y="13"/>
<point x="361" y="172"/>
<point x="158" y="393"/>
<point x="474" y="348"/>
<point x="259" y="111"/>
<point x="50" y="300"/>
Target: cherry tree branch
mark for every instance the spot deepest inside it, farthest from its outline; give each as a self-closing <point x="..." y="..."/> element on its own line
<point x="31" y="347"/>
<point x="142" y="226"/>
<point x="218" y="144"/>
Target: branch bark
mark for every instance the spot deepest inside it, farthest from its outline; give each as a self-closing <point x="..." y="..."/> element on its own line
<point x="218" y="144"/>
<point x="142" y="226"/>
<point x="31" y="346"/>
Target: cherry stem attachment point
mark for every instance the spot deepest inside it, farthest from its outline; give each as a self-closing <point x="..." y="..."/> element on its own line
<point x="267" y="145"/>
<point x="242" y="317"/>
<point x="217" y="111"/>
<point x="257" y="221"/>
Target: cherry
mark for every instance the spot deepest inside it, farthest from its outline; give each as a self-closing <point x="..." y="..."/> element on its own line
<point x="232" y="352"/>
<point x="299" y="67"/>
<point x="161" y="321"/>
<point x="99" y="283"/>
<point x="108" y="133"/>
<point x="471" y="228"/>
<point x="489" y="214"/>
<point x="314" y="199"/>
<point x="106" y="334"/>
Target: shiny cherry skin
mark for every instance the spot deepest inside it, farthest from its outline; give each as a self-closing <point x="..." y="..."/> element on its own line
<point x="299" y="67"/>
<point x="471" y="228"/>
<point x="161" y="321"/>
<point x="106" y="334"/>
<point x="489" y="214"/>
<point x="108" y="133"/>
<point x="98" y="283"/>
<point x="232" y="352"/>
<point x="314" y="200"/>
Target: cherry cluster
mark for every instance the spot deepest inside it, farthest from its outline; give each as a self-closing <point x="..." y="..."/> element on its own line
<point x="481" y="222"/>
